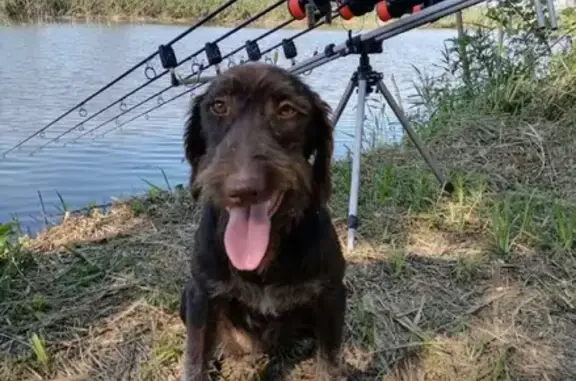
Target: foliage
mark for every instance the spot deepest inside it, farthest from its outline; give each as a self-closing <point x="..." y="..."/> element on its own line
<point x="25" y="10"/>
<point x="6" y="231"/>
<point x="496" y="68"/>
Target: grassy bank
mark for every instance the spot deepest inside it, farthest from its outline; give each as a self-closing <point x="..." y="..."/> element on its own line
<point x="479" y="285"/>
<point x="187" y="12"/>
<point x="171" y="11"/>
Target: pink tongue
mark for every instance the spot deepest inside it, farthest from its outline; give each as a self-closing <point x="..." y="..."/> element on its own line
<point x="246" y="236"/>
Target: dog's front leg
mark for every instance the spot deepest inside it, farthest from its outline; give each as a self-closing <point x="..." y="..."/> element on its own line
<point x="329" y="327"/>
<point x="196" y="312"/>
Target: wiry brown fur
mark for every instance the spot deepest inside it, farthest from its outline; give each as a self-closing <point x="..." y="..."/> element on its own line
<point x="297" y="290"/>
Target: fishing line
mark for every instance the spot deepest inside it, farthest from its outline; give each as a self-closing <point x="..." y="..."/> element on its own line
<point x="151" y="109"/>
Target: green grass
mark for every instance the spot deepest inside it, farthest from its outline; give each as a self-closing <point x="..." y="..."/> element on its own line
<point x="130" y="10"/>
<point x="174" y="11"/>
<point x="184" y="11"/>
<point x="476" y="285"/>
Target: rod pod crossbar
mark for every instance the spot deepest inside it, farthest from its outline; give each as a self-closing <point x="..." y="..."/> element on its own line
<point x="425" y="16"/>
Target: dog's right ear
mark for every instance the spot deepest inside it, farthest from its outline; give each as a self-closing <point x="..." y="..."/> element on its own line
<point x="194" y="143"/>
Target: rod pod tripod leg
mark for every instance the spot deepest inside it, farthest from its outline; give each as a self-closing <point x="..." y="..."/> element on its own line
<point x="366" y="79"/>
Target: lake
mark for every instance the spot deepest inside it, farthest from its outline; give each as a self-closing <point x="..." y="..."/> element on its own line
<point x="46" y="69"/>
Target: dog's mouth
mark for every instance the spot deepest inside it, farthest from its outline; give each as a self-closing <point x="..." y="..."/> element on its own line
<point x="248" y="232"/>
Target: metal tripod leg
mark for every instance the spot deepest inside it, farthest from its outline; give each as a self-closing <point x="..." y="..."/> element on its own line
<point x="412" y="134"/>
<point x="353" y="198"/>
<point x="356" y="151"/>
<point x="343" y="101"/>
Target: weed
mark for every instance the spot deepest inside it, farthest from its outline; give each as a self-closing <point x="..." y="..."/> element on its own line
<point x="564" y="225"/>
<point x="154" y="193"/>
<point x="465" y="269"/>
<point x="6" y="232"/>
<point x="385" y="183"/>
<point x="90" y="207"/>
<point x="501" y="221"/>
<point x="137" y="206"/>
<point x="398" y="261"/>
<point x="39" y="347"/>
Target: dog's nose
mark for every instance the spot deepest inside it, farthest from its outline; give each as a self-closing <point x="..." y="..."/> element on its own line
<point x="244" y="187"/>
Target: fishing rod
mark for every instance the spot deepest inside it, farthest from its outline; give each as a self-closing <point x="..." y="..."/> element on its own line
<point x="253" y="54"/>
<point x="419" y="16"/>
<point x="164" y="52"/>
<point x="80" y="105"/>
<point x="186" y="79"/>
<point x="194" y="78"/>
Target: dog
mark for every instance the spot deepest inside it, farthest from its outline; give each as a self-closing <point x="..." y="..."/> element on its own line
<point x="267" y="266"/>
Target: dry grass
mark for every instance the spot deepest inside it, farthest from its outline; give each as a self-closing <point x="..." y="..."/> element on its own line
<point x="437" y="289"/>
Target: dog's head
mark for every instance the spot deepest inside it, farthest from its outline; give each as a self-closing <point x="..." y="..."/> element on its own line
<point x="250" y="139"/>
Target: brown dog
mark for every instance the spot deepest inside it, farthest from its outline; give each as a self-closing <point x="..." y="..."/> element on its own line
<point x="267" y="265"/>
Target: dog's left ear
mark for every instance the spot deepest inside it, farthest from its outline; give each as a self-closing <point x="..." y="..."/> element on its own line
<point x="323" y="144"/>
<point x="194" y="143"/>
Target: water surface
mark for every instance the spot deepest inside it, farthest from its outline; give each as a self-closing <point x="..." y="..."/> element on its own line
<point x="46" y="69"/>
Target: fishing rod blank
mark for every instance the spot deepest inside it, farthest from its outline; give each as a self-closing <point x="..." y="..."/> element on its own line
<point x="185" y="81"/>
<point x="332" y="52"/>
<point x="199" y="23"/>
<point x="224" y="36"/>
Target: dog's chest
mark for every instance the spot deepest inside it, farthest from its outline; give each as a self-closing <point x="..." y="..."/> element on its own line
<point x="269" y="299"/>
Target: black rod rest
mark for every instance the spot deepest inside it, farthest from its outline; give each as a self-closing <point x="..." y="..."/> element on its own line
<point x="356" y="45"/>
<point x="253" y="50"/>
<point x="289" y="50"/>
<point x="213" y="55"/>
<point x="169" y="62"/>
<point x="167" y="57"/>
<point x="360" y="7"/>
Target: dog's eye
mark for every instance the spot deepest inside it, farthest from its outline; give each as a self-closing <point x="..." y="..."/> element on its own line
<point x="286" y="110"/>
<point x="219" y="107"/>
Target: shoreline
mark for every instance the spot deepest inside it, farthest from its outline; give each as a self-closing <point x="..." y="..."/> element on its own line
<point x="448" y="22"/>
